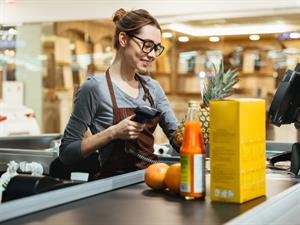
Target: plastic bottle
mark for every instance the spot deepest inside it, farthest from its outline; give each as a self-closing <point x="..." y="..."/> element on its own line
<point x="192" y="156"/>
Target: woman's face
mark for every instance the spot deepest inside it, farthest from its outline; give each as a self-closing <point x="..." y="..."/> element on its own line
<point x="135" y="54"/>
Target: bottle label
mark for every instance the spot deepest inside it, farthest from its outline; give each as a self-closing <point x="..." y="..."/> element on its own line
<point x="185" y="175"/>
<point x="199" y="173"/>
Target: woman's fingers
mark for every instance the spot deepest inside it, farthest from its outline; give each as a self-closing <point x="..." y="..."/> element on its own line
<point x="137" y="128"/>
<point x="129" y="129"/>
<point x="134" y="135"/>
<point x="137" y="124"/>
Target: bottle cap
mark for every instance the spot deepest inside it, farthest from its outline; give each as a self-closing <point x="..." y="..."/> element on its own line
<point x="193" y="103"/>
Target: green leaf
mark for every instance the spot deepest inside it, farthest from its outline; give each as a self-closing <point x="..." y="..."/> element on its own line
<point x="220" y="85"/>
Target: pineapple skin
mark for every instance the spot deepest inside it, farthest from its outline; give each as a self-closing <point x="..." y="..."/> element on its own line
<point x="178" y="139"/>
<point x="204" y="118"/>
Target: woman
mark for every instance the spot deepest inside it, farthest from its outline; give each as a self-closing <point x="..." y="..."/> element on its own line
<point x="106" y="104"/>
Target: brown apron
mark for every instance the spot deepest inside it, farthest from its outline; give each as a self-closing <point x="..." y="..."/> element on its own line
<point x="120" y="161"/>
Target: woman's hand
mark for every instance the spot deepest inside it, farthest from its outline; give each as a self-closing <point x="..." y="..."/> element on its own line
<point x="127" y="129"/>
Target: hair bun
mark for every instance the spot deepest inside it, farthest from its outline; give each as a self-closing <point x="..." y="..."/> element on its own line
<point x="118" y="15"/>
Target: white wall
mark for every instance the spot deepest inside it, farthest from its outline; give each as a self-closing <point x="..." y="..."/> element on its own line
<point x="30" y="72"/>
<point x="24" y="11"/>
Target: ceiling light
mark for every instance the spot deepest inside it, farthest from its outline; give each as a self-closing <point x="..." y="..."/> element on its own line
<point x="295" y="35"/>
<point x="108" y="49"/>
<point x="254" y="37"/>
<point x="167" y="34"/>
<point x="201" y="74"/>
<point x="231" y="30"/>
<point x="72" y="46"/>
<point x="12" y="53"/>
<point x="6" y="52"/>
<point x="214" y="39"/>
<point x="183" y="39"/>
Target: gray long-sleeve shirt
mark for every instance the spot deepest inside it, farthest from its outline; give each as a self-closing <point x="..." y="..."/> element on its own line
<point x="93" y="109"/>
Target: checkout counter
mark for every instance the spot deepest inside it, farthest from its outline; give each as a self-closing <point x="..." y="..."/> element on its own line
<point x="125" y="199"/>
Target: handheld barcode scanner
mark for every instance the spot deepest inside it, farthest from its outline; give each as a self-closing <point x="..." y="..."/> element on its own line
<point x="285" y="108"/>
<point x="144" y="113"/>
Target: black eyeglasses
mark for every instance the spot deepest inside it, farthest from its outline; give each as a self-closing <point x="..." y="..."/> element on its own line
<point x="149" y="45"/>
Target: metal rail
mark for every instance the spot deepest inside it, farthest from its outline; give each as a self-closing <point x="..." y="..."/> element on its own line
<point x="281" y="209"/>
<point x="23" y="206"/>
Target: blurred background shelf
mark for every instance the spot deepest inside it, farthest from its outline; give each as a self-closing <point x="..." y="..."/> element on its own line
<point x="62" y="54"/>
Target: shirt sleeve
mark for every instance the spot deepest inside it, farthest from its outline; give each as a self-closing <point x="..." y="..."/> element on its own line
<point x="168" y="121"/>
<point x="85" y="107"/>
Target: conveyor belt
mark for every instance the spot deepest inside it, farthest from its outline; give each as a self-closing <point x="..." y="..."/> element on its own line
<point x="137" y="204"/>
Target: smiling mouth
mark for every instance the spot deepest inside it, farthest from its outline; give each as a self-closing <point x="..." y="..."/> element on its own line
<point x="146" y="63"/>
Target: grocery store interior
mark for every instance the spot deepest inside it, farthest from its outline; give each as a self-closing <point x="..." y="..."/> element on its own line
<point x="48" y="48"/>
<point x="45" y="56"/>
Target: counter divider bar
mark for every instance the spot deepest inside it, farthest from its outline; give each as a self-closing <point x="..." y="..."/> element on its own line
<point x="23" y="206"/>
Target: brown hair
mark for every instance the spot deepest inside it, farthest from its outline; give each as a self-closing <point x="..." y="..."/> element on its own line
<point x="131" y="22"/>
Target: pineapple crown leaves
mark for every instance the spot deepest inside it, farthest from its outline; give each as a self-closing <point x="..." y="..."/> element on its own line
<point x="220" y="85"/>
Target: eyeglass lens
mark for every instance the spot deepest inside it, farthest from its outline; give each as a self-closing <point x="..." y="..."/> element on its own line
<point x="148" y="46"/>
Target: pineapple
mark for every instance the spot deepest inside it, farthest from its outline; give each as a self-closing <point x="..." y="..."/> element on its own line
<point x="204" y="121"/>
<point x="178" y="139"/>
<point x="218" y="87"/>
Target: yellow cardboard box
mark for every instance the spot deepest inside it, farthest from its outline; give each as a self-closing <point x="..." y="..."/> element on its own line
<point x="237" y="150"/>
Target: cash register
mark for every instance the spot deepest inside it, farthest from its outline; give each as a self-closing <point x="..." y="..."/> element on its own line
<point x="285" y="109"/>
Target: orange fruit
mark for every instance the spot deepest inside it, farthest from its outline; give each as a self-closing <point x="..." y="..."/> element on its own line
<point x="155" y="176"/>
<point x="172" y="178"/>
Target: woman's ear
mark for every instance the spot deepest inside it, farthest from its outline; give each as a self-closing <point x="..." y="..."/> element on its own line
<point x="123" y="39"/>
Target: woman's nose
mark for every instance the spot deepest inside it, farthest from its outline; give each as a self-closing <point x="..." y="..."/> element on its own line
<point x="152" y="54"/>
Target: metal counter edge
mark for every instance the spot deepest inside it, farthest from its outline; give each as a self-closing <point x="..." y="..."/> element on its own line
<point x="283" y="208"/>
<point x="23" y="206"/>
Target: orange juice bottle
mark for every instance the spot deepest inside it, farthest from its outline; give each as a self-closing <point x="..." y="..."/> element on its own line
<point x="192" y="157"/>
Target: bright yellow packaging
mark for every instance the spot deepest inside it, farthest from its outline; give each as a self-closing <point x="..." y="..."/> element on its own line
<point x="237" y="150"/>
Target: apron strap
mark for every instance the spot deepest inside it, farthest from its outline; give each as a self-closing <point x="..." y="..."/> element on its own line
<point x="147" y="94"/>
<point x="111" y="91"/>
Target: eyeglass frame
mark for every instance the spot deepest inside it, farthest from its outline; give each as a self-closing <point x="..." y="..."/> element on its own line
<point x="144" y="42"/>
